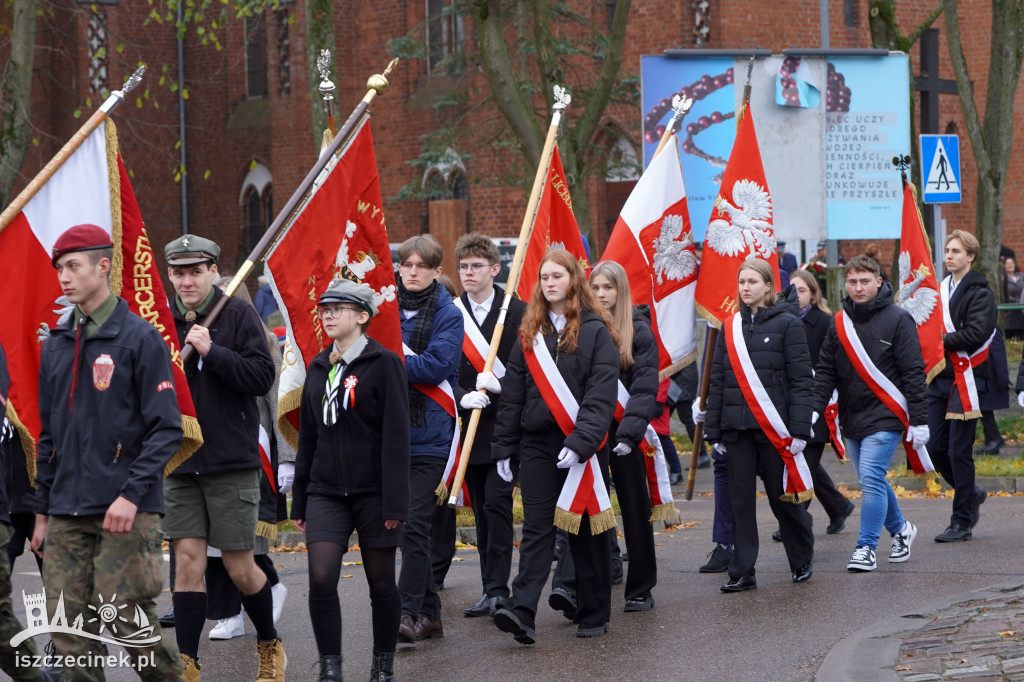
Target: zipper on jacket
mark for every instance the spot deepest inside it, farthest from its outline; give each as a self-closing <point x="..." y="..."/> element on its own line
<point x="117" y="455"/>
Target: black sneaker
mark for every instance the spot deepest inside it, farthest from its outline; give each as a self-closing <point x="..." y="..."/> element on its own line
<point x="837" y="524"/>
<point x="955" y="533"/>
<point x="718" y="560"/>
<point x="617" y="574"/>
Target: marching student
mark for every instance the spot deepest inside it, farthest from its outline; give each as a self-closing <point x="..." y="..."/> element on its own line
<point x="352" y="473"/>
<point x="432" y="336"/>
<point x="566" y="358"/>
<point x="762" y="360"/>
<point x="969" y="318"/>
<point x="872" y="355"/>
<point x="490" y="489"/>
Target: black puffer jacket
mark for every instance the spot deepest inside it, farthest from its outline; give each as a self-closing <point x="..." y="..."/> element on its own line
<point x="973" y="311"/>
<point x="777" y="346"/>
<point x="641" y="380"/>
<point x="591" y="372"/>
<point x="816" y="324"/>
<point x="889" y="336"/>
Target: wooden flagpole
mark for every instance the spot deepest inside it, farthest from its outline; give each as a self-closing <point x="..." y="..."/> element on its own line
<point x="69" y="148"/>
<point x="712" y="338"/>
<point x="562" y="100"/>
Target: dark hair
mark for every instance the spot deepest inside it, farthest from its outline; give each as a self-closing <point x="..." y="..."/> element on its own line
<point x="477" y="245"/>
<point x="426" y="246"/>
<point x="446" y="281"/>
<point x="96" y="255"/>
<point x="864" y="264"/>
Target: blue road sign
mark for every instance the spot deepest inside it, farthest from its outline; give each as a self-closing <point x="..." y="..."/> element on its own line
<point x="940" y="168"/>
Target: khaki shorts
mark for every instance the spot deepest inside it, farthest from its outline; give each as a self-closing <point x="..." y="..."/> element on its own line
<point x="222" y="508"/>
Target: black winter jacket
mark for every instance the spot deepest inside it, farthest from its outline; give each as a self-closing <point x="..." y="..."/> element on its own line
<point x="237" y="369"/>
<point x="121" y="430"/>
<point x="481" y="453"/>
<point x="889" y="336"/>
<point x="367" y="450"/>
<point x="641" y="380"/>
<point x="973" y="311"/>
<point x="777" y="346"/>
<point x="816" y="324"/>
<point x="591" y="372"/>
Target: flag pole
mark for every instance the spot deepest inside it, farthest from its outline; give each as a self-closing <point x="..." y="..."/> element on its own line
<point x="113" y="100"/>
<point x="562" y="100"/>
<point x="376" y="85"/>
<point x="712" y="338"/>
<point x="327" y="90"/>
<point x="680" y="105"/>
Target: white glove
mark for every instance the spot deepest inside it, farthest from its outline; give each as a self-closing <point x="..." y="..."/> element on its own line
<point x="488" y="381"/>
<point x="285" y="476"/>
<point x="719" y="448"/>
<point x="698" y="414"/>
<point x="622" y="449"/>
<point x="505" y="469"/>
<point x="918" y="436"/>
<point x="797" y="446"/>
<point x="814" y="418"/>
<point x="474" y="401"/>
<point x="1020" y="398"/>
<point x="567" y="459"/>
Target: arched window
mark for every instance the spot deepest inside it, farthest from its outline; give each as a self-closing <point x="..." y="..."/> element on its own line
<point x="257" y="200"/>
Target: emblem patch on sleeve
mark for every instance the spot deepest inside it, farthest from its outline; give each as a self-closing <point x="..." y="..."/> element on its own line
<point x="102" y="371"/>
<point x="164" y="385"/>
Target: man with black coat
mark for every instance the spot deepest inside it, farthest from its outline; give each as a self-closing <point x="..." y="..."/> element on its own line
<point x="953" y="408"/>
<point x="490" y="489"/>
<point x="213" y="497"/>
<point x="888" y="336"/>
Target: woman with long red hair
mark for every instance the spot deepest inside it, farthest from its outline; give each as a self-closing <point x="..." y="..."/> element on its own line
<point x="565" y="325"/>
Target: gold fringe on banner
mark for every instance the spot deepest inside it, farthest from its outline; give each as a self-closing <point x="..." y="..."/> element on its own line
<point x="442" y="493"/>
<point x="709" y="316"/>
<point x="677" y="365"/>
<point x="567" y="521"/>
<point x="663" y="512"/>
<point x="798" y="498"/>
<point x="964" y="416"/>
<point x="28" y="443"/>
<point x="603" y="521"/>
<point x="287" y="403"/>
<point x="114" y="180"/>
<point x="926" y="475"/>
<point x="268" y="531"/>
<point x="192" y="441"/>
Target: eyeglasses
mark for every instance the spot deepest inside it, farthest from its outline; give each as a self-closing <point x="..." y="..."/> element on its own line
<point x="334" y="311"/>
<point x="473" y="267"/>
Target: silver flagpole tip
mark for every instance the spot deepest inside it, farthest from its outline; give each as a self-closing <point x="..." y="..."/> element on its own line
<point x="562" y="98"/>
<point x="134" y="79"/>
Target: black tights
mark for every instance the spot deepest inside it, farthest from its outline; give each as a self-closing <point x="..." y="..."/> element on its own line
<point x="325" y="608"/>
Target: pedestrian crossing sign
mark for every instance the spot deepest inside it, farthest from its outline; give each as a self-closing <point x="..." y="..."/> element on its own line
<point x="940" y="169"/>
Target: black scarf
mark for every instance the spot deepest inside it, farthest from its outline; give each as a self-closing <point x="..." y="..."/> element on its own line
<point x="426" y="303"/>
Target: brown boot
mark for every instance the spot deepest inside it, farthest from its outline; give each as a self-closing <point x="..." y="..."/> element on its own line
<point x="407" y="630"/>
<point x="272" y="661"/>
<point x="192" y="669"/>
<point x="427" y="629"/>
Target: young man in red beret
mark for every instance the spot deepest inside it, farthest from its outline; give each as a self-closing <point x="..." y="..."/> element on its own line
<point x="110" y="423"/>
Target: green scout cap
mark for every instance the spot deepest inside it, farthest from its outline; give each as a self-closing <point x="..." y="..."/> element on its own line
<point x="191" y="249"/>
<point x="346" y="291"/>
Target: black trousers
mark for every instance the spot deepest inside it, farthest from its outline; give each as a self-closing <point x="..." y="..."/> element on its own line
<point x="989" y="426"/>
<point x="491" y="498"/>
<point x="951" y="447"/>
<point x="748" y="452"/>
<point x="832" y="501"/>
<point x="442" y="542"/>
<point x="415" y="582"/>
<point x="630" y="478"/>
<point x="540" y="483"/>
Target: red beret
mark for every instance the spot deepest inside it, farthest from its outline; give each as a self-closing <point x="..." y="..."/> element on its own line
<point x="80" y="238"/>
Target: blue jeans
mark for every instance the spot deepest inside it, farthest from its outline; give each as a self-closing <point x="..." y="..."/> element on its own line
<point x="871" y="457"/>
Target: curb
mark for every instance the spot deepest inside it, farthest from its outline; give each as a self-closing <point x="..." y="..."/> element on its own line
<point x="873" y="652"/>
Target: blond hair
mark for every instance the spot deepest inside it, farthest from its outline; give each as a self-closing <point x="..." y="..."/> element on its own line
<point x="622" y="312"/>
<point x="764" y="269"/>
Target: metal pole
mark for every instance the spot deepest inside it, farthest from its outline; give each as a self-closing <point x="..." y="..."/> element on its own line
<point x="181" y="125"/>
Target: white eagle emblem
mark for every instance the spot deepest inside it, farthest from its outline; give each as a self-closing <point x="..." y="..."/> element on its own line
<point x="63" y="312"/>
<point x="359" y="268"/>
<point x="919" y="301"/>
<point x="672" y="257"/>
<point x="748" y="228"/>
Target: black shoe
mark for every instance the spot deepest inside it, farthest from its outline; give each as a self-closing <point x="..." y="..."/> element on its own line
<point x="718" y="560"/>
<point x="562" y="600"/>
<point x="617" y="575"/>
<point x="955" y="533"/>
<point x="595" y="631"/>
<point x="740" y="584"/>
<point x="484" y="606"/>
<point x="837" y="524"/>
<point x="507" y="621"/>
<point x="438" y="586"/>
<point x="777" y="535"/>
<point x="642" y="604"/>
<point x="167" y="620"/>
<point x="802" y="574"/>
<point x="625" y="557"/>
<point x="383" y="668"/>
<point x="980" y="494"/>
<point x="990" y="448"/>
<point x="674" y="478"/>
<point x="559" y="551"/>
<point x="330" y="669"/>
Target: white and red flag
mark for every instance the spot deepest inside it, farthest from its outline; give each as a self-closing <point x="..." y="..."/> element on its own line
<point x="92" y="186"/>
<point x="918" y="287"/>
<point x="555" y="227"/>
<point x="653" y="242"/>
<point x="740" y="227"/>
<point x="339" y="233"/>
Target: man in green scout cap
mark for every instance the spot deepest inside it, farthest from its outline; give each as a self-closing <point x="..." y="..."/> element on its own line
<point x="213" y="497"/>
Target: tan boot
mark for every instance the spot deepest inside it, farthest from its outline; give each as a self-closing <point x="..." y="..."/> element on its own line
<point x="192" y="669"/>
<point x="272" y="661"/>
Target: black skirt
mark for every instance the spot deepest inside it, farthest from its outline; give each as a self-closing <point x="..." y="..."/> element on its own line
<point x="332" y="519"/>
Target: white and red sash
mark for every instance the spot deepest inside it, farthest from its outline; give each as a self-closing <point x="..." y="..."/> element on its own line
<point x="268" y="467"/>
<point x="662" y="507"/>
<point x="963" y="366"/>
<point x="584" y="489"/>
<point x="796" y="477"/>
<point x="443" y="395"/>
<point x="881" y="386"/>
<point x="835" y="434"/>
<point x="474" y="345"/>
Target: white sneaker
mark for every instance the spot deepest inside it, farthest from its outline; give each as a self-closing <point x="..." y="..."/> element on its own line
<point x="278" y="592"/>
<point x="228" y="628"/>
<point x="863" y="559"/>
<point x="901" y="543"/>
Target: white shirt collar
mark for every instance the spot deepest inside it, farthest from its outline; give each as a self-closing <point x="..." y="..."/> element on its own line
<point x="480" y="310"/>
<point x="557" y="320"/>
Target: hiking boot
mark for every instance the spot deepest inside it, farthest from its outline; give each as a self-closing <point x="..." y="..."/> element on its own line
<point x="383" y="668"/>
<point x="272" y="661"/>
<point x="191" y="673"/>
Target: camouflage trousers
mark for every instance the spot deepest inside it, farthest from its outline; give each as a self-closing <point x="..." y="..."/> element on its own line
<point x="94" y="578"/>
<point x="23" y="654"/>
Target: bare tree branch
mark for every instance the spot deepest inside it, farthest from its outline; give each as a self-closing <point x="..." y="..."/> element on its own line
<point x="16" y="95"/>
<point x="925" y="25"/>
<point x="965" y="87"/>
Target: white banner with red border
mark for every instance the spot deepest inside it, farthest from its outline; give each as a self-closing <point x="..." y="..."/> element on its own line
<point x="963" y="366"/>
<point x="655" y="468"/>
<point x="474" y="346"/>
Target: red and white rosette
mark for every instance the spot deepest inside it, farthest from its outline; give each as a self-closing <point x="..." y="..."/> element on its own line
<point x="662" y="508"/>
<point x="835" y="434"/>
<point x="966" y="393"/>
